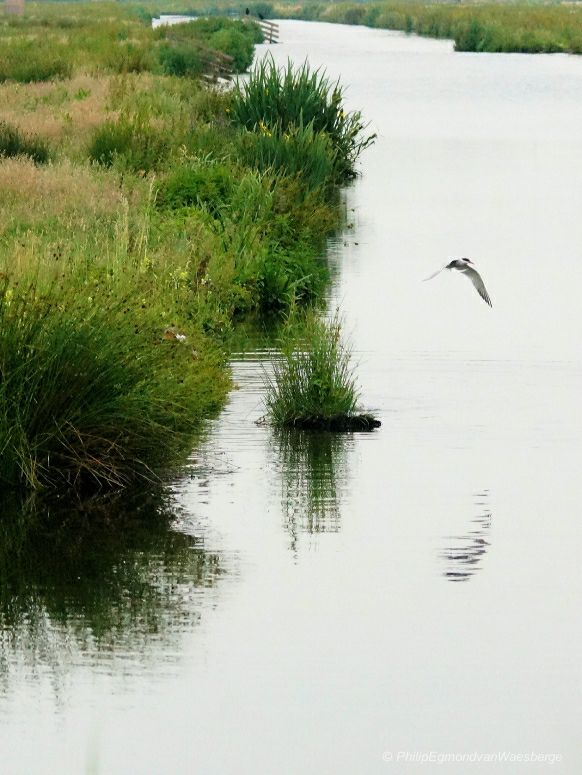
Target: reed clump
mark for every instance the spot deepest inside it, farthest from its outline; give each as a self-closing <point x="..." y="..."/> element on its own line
<point x="13" y="142"/>
<point x="133" y="140"/>
<point x="293" y="105"/>
<point x="313" y="385"/>
<point x="298" y="150"/>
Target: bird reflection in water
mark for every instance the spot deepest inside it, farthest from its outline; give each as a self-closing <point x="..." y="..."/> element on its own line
<point x="313" y="474"/>
<point x="464" y="553"/>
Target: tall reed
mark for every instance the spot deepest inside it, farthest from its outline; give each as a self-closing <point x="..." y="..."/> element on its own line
<point x="313" y="381"/>
<point x="284" y="99"/>
<point x="299" y="150"/>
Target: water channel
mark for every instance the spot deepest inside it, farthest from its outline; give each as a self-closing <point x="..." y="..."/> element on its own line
<point x="324" y="605"/>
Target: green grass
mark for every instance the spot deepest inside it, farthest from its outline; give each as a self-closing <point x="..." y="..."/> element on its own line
<point x="91" y="393"/>
<point x="181" y="60"/>
<point x="57" y="40"/>
<point x="285" y="101"/>
<point x="270" y="233"/>
<point x="313" y="384"/>
<point x="299" y="150"/>
<point x="27" y="61"/>
<point x="13" y="142"/>
<point x="159" y="215"/>
<point x="133" y="141"/>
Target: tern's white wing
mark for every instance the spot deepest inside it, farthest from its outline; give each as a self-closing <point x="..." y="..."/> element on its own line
<point x="475" y="278"/>
<point x="434" y="275"/>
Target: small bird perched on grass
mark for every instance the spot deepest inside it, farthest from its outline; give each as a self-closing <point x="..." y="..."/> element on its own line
<point x="173" y="335"/>
<point x="466" y="267"/>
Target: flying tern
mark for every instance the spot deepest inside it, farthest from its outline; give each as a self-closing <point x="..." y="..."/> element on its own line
<point x="466" y="267"/>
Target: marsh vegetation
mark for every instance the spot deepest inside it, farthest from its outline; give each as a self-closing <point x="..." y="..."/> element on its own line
<point x="168" y="212"/>
<point x="313" y="385"/>
<point x="493" y="27"/>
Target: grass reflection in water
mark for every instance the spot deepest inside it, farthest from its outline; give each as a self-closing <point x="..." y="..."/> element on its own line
<point x="106" y="578"/>
<point x="313" y="468"/>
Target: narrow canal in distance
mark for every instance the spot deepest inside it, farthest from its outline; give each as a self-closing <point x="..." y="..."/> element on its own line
<point x="414" y="589"/>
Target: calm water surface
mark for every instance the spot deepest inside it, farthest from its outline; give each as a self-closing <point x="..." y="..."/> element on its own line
<point x="305" y="606"/>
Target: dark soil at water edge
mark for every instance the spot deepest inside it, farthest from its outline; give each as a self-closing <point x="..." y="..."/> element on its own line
<point x="357" y="422"/>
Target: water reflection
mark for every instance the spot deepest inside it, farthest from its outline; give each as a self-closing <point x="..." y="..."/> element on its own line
<point x="464" y="553"/>
<point x="311" y="465"/>
<point x="88" y="582"/>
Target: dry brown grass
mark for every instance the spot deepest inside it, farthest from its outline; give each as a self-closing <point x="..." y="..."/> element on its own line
<point x="30" y="191"/>
<point x="65" y="113"/>
<point x="58" y="218"/>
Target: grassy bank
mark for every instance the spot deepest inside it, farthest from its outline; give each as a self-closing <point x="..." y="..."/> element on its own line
<point x="493" y="27"/>
<point x="142" y="215"/>
<point x="58" y="40"/>
<point x="532" y="27"/>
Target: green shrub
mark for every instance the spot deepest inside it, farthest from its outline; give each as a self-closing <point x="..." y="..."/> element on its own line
<point x="183" y="60"/>
<point x="254" y="32"/>
<point x="204" y="28"/>
<point x="189" y="45"/>
<point x="131" y="140"/>
<point x="236" y="45"/>
<point x="14" y="143"/>
<point x="207" y="185"/>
